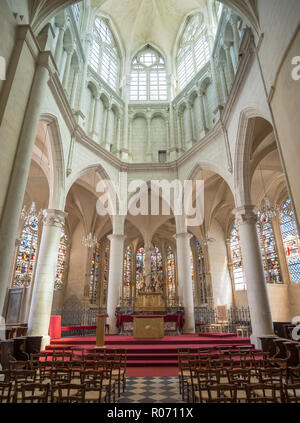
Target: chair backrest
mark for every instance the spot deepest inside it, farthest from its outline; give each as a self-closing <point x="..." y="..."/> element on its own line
<point x="16" y="365"/>
<point x="71" y="392"/>
<point x="222" y="393"/>
<point x="222" y="313"/>
<point x="5" y="392"/>
<point x="271" y="375"/>
<point x="261" y="392"/>
<point x="35" y="392"/>
<point x="294" y="374"/>
<point x="239" y="376"/>
<point x="292" y="392"/>
<point x="208" y="376"/>
<point x="62" y="355"/>
<point x="60" y="376"/>
<point x="92" y="377"/>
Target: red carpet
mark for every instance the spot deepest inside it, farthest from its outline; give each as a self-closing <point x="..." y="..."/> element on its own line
<point x="155" y="357"/>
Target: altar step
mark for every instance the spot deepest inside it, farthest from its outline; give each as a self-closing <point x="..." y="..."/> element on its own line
<point x="155" y="353"/>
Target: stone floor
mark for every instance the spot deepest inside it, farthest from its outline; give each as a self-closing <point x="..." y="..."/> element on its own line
<point x="151" y="390"/>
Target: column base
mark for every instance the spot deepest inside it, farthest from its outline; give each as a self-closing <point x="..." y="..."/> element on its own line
<point x="45" y="341"/>
<point x="113" y="330"/>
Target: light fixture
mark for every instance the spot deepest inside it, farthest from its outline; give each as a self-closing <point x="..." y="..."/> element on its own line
<point x="266" y="211"/>
<point x="89" y="241"/>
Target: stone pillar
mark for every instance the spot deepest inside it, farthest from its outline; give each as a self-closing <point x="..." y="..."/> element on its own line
<point x="116" y="259"/>
<point x="216" y="88"/>
<point x="42" y="297"/>
<point x="109" y="128"/>
<point x="236" y="37"/>
<point x="130" y="123"/>
<point x="185" y="287"/>
<point x="88" y="43"/>
<point x="59" y="46"/>
<point x="148" y="147"/>
<point x="172" y="138"/>
<point x="118" y="146"/>
<point x="91" y="116"/>
<point x="202" y="112"/>
<point x="180" y="133"/>
<point x="18" y="180"/>
<point x="166" y="120"/>
<point x="230" y="268"/>
<point x="258" y="301"/>
<point x="74" y="89"/>
<point x="103" y="140"/>
<point x="230" y="69"/>
<point x="223" y="82"/>
<point x="95" y="130"/>
<point x="190" y="138"/>
<point x="66" y="77"/>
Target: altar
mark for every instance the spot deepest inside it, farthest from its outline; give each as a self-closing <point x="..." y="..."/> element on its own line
<point x="172" y="323"/>
<point x="148" y="326"/>
<point x="150" y="301"/>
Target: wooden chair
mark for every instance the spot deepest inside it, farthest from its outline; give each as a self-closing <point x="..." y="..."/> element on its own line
<point x="18" y="365"/>
<point x="192" y="381"/>
<point x="205" y="377"/>
<point x="116" y="363"/>
<point x="93" y="380"/>
<point x="184" y="373"/>
<point x="292" y="392"/>
<point x="108" y="383"/>
<point x="241" y="378"/>
<point x="65" y="355"/>
<point x="19" y="377"/>
<point x="275" y="378"/>
<point x="222" y="393"/>
<point x="71" y="393"/>
<point x="123" y="353"/>
<point x="5" y="392"/>
<point x="261" y="392"/>
<point x="293" y="374"/>
<point x="35" y="392"/>
<point x="75" y="366"/>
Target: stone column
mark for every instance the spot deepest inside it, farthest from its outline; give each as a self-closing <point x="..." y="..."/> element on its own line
<point x="88" y="43"/>
<point x="148" y="147"/>
<point x="67" y="71"/>
<point x="230" y="69"/>
<point x="215" y="81"/>
<point x="109" y="128"/>
<point x="118" y="143"/>
<point x="172" y="138"/>
<point x="74" y="88"/>
<point x="185" y="287"/>
<point x="180" y="133"/>
<point x="18" y="180"/>
<point x="59" y="46"/>
<point x="103" y="139"/>
<point x="230" y="268"/>
<point x="223" y="82"/>
<point x="258" y="301"/>
<point x="190" y="138"/>
<point x="202" y="111"/>
<point x="116" y="258"/>
<point x="91" y="116"/>
<point x="166" y="120"/>
<point x="41" y="304"/>
<point x="130" y="123"/>
<point x="236" y="38"/>
<point x="95" y="130"/>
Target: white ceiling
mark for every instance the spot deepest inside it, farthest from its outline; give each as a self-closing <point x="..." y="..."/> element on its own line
<point x="141" y="22"/>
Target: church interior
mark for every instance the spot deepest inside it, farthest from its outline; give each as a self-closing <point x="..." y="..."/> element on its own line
<point x="109" y="98"/>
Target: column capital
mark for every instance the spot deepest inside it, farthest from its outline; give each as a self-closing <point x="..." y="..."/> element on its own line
<point x="117" y="237"/>
<point x="53" y="217"/>
<point x="182" y="235"/>
<point x="245" y="214"/>
<point x="46" y="60"/>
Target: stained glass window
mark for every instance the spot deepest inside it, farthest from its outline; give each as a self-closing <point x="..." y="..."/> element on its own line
<point x="95" y="274"/>
<point x="127" y="272"/>
<point x="236" y="260"/>
<point x="61" y="261"/>
<point x="105" y="269"/>
<point x="148" y="79"/>
<point x="171" y="276"/>
<point x="104" y="56"/>
<point x="290" y="238"/>
<point x="269" y="252"/>
<point x="140" y="259"/>
<point x="26" y="254"/>
<point x="156" y="263"/>
<point x="201" y="273"/>
<point x="193" y="52"/>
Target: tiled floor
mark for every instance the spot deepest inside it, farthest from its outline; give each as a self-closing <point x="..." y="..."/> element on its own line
<point x="151" y="390"/>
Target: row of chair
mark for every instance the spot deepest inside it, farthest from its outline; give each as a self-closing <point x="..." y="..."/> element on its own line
<point x="107" y="369"/>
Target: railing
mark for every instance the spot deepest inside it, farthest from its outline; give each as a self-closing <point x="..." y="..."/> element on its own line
<point x="236" y="317"/>
<point x="70" y="317"/>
